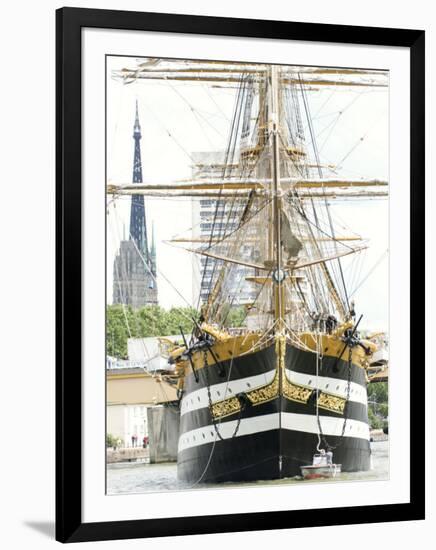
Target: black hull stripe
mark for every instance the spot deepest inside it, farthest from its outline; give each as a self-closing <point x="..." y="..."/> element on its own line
<point x="252" y="457"/>
<point x="305" y="362"/>
<point x="240" y="367"/>
<point x="330" y="426"/>
<point x="256" y="457"/>
<point x="262" y="361"/>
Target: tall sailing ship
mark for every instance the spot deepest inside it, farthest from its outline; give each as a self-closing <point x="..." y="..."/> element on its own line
<point x="258" y="400"/>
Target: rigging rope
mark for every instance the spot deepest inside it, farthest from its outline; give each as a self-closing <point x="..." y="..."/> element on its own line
<point x="377" y="263"/>
<point x="218" y="202"/>
<point x="315" y="149"/>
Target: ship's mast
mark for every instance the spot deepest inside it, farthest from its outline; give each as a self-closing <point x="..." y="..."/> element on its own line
<point x="272" y="177"/>
<point x="278" y="273"/>
<point x="273" y="129"/>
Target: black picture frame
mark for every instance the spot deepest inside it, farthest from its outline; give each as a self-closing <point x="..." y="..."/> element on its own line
<point x="69" y="22"/>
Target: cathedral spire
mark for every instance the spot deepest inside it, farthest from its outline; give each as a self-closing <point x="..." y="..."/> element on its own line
<point x="138" y="224"/>
<point x="135" y="273"/>
<point x="137" y="126"/>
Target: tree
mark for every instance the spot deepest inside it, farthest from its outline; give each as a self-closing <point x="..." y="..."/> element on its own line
<point x="378" y="404"/>
<point x="123" y="322"/>
<point x="178" y="317"/>
<point x="236" y="317"/>
<point x="111" y="440"/>
<point x="118" y="322"/>
<point x="232" y="316"/>
<point x="374" y="421"/>
<point x="378" y="391"/>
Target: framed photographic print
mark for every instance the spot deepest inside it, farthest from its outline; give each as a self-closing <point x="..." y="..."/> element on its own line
<point x="240" y="260"/>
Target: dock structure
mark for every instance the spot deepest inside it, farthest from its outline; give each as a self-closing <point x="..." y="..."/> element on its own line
<point x="131" y="392"/>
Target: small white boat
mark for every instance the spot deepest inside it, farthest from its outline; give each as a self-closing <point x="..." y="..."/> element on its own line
<point x="321" y="467"/>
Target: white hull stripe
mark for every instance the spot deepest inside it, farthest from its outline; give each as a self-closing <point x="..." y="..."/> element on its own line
<point x="199" y="399"/>
<point x="330" y="426"/>
<point x="334" y="386"/>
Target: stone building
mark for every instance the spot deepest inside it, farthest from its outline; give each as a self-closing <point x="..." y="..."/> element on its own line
<point x="134" y="272"/>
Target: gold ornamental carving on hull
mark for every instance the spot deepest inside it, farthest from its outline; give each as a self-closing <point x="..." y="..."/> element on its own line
<point x="232" y="405"/>
<point x="295" y="392"/>
<point x="290" y="390"/>
<point x="268" y="392"/>
<point x="226" y="407"/>
<point x="265" y="393"/>
<point x="331" y="402"/>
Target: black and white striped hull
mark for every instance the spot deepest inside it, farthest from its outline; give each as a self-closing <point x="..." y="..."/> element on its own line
<point x="273" y="439"/>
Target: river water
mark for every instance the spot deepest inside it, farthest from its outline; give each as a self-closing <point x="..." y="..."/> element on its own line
<point x="125" y="478"/>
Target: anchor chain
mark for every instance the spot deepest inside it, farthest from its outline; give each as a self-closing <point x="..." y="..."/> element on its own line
<point x="238" y="422"/>
<point x="344" y="425"/>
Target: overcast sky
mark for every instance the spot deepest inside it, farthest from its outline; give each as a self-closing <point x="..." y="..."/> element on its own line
<point x="180" y="118"/>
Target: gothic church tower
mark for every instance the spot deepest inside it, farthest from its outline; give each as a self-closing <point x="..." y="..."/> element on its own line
<point x="135" y="264"/>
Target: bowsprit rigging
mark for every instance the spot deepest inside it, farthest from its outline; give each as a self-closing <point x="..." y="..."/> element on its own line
<point x="257" y="400"/>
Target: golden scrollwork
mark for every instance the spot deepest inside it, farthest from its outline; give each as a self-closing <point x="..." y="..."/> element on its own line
<point x="265" y="393"/>
<point x="268" y="392"/>
<point x="331" y="402"/>
<point x="225" y="407"/>
<point x="295" y="392"/>
<point x="232" y="405"/>
<point x="281" y="351"/>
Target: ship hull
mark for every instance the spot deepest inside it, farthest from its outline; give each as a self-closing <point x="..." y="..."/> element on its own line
<point x="274" y="437"/>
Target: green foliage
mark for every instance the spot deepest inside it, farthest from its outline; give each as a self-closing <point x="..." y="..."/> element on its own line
<point x="144" y="322"/>
<point x="378" y="406"/>
<point x="116" y="330"/>
<point x="383" y="410"/>
<point x="378" y="391"/>
<point x="111" y="440"/>
<point x="155" y="321"/>
<point x="374" y="421"/>
<point x="178" y="317"/>
<point x="235" y="316"/>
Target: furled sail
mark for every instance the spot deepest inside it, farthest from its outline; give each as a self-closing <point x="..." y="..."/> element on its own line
<point x="291" y="244"/>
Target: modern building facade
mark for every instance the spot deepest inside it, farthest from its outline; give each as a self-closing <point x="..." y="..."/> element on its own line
<point x="135" y="270"/>
<point x="212" y="215"/>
